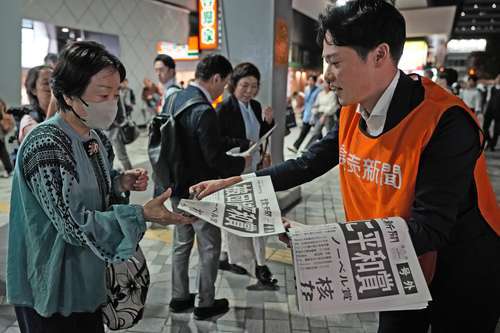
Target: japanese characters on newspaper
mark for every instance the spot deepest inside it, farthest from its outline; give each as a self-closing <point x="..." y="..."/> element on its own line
<point x="247" y="209"/>
<point x="357" y="267"/>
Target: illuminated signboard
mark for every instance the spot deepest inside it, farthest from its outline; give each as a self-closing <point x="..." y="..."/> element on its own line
<point x="187" y="51"/>
<point x="466" y="45"/>
<point x="414" y="56"/>
<point x="208" y="29"/>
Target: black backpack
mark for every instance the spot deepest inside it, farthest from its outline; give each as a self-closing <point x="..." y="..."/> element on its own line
<point x="164" y="151"/>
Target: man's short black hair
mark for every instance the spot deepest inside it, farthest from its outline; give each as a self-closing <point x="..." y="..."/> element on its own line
<point x="449" y="74"/>
<point x="240" y="71"/>
<point x="363" y="25"/>
<point x="213" y="64"/>
<point x="78" y="62"/>
<point x="167" y="60"/>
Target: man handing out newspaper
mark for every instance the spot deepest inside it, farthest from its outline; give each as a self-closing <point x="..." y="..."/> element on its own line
<point x="405" y="147"/>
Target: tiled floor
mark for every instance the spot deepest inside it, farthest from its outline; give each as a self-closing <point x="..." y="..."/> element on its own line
<point x="251" y="311"/>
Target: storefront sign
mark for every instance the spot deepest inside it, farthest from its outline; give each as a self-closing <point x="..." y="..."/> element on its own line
<point x="180" y="51"/>
<point x="466" y="45"/>
<point x="414" y="56"/>
<point x="208" y="29"/>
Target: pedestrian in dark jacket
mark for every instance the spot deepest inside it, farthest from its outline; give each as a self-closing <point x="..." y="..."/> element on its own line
<point x="204" y="158"/>
<point x="492" y="114"/>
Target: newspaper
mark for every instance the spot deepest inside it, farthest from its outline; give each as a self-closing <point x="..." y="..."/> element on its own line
<point x="236" y="151"/>
<point x="357" y="267"/>
<point x="248" y="209"/>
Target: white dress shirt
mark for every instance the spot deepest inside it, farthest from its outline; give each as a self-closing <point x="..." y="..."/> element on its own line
<point x="375" y="120"/>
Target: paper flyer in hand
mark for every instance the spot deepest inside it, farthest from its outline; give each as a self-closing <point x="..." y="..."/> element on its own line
<point x="236" y="151"/>
<point x="248" y="209"/>
<point x="357" y="267"/>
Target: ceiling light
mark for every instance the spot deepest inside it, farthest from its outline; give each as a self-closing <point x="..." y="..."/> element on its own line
<point x="494" y="5"/>
<point x="64" y="29"/>
<point x="462" y="14"/>
<point x="473" y="28"/>
<point x="476" y="6"/>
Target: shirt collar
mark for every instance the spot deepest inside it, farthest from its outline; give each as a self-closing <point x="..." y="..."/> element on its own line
<point x="205" y="91"/>
<point x="169" y="83"/>
<point x="382" y="105"/>
<point x="375" y="121"/>
<point x="244" y="106"/>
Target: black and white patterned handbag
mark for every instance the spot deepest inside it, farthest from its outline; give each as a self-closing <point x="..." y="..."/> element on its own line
<point x="127" y="285"/>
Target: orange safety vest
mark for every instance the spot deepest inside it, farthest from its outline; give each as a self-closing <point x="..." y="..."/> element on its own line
<point x="378" y="175"/>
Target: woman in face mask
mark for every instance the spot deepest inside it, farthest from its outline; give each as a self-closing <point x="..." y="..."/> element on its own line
<point x="68" y="217"/>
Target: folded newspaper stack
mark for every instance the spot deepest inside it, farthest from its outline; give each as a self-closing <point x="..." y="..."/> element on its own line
<point x="248" y="209"/>
<point x="357" y="267"/>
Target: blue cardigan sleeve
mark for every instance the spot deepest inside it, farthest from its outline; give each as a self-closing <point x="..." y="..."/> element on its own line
<point x="50" y="172"/>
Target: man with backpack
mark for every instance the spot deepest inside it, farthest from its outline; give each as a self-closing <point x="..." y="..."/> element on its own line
<point x="194" y="153"/>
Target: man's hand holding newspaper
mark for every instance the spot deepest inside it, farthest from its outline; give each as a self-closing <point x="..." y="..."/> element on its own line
<point x="350" y="267"/>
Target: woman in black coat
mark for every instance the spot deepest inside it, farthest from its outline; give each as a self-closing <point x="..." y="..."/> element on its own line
<point x="243" y="86"/>
<point x="242" y="122"/>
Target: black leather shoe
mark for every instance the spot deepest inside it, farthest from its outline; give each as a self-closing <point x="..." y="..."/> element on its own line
<point x="181" y="305"/>
<point x="237" y="269"/>
<point x="264" y="275"/>
<point x="224" y="265"/>
<point x="219" y="307"/>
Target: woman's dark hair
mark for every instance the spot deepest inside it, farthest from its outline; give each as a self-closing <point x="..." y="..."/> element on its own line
<point x="240" y="71"/>
<point x="213" y="64"/>
<point x="363" y="25"/>
<point x="78" y="62"/>
<point x="30" y="83"/>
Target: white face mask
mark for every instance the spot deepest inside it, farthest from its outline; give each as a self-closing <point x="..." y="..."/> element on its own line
<point x="99" y="115"/>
